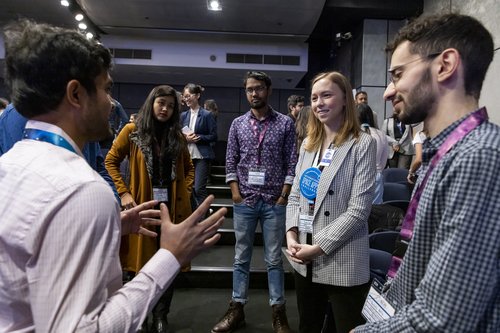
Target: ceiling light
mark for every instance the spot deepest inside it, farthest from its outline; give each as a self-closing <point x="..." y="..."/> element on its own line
<point x="214" y="5"/>
<point x="79" y="17"/>
<point x="89" y="35"/>
<point x="65" y="3"/>
<point x="82" y="26"/>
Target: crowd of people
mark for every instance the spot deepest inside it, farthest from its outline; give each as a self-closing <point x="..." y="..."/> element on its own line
<point x="73" y="220"/>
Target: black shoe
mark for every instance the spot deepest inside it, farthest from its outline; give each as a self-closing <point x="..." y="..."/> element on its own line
<point x="233" y="319"/>
<point x="280" y="320"/>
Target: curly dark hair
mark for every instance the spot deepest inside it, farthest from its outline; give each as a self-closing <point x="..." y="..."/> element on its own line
<point x="41" y="59"/>
<point x="434" y="34"/>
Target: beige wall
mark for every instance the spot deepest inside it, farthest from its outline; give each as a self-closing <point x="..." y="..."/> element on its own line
<point x="488" y="12"/>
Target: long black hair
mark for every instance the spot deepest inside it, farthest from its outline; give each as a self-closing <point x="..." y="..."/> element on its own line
<point x="168" y="134"/>
<point x="365" y="115"/>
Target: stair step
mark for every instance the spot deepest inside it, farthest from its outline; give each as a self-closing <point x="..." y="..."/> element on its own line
<point x="227" y="234"/>
<point x="218" y="169"/>
<point x="222" y="202"/>
<point x="214" y="269"/>
<point x="228" y="225"/>
<point x="219" y="190"/>
<point x="221" y="258"/>
<point x="219" y="187"/>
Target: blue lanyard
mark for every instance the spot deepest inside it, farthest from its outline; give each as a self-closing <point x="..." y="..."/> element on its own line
<point x="55" y="139"/>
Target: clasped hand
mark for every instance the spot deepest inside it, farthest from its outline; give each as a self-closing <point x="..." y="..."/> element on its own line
<point x="301" y="253"/>
<point x="192" y="138"/>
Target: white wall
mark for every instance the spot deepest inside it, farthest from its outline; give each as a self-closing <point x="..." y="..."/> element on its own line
<point x="488" y="12"/>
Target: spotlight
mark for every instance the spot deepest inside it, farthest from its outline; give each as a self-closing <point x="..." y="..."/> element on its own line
<point x="214" y="5"/>
<point x="65" y="3"/>
<point x="79" y="17"/>
<point x="82" y="26"/>
<point x="89" y="35"/>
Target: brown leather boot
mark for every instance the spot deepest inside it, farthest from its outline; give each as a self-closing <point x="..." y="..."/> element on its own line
<point x="280" y="321"/>
<point x="233" y="319"/>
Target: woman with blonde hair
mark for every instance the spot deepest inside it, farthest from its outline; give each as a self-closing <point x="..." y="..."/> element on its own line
<point x="160" y="168"/>
<point x="328" y="208"/>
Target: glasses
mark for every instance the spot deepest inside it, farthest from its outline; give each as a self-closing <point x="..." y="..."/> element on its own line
<point x="257" y="90"/>
<point x="396" y="73"/>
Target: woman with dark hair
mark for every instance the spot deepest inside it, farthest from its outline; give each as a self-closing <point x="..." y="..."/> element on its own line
<point x="367" y="121"/>
<point x="211" y="105"/>
<point x="328" y="208"/>
<point x="301" y="125"/>
<point x="200" y="130"/>
<point x="161" y="169"/>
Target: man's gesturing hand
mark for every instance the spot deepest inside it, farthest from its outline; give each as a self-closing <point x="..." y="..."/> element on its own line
<point x="185" y="240"/>
<point x="136" y="219"/>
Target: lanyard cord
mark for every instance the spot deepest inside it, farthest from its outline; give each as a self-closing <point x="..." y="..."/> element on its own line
<point x="470" y="123"/>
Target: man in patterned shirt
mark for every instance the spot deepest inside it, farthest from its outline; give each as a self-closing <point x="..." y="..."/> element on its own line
<point x="449" y="279"/>
<point x="260" y="166"/>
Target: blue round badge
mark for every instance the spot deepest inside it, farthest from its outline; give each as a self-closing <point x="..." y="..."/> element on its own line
<point x="309" y="183"/>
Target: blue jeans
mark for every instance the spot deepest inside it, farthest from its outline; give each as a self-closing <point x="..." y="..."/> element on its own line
<point x="379" y="189"/>
<point x="201" y="170"/>
<point x="272" y="219"/>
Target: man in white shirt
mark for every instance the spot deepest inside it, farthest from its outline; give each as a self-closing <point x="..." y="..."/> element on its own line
<point x="60" y="225"/>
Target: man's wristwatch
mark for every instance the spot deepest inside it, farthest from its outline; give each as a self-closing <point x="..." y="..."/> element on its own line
<point x="284" y="195"/>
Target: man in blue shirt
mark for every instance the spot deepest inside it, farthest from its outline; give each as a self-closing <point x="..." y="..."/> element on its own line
<point x="12" y="126"/>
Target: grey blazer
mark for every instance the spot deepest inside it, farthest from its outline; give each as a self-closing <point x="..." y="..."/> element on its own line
<point x="340" y="222"/>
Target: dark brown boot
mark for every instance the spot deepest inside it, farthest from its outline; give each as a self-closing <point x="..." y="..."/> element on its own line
<point x="280" y="321"/>
<point x="233" y="319"/>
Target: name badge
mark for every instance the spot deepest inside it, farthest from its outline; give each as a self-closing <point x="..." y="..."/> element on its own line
<point x="256" y="176"/>
<point x="327" y="158"/>
<point x="376" y="307"/>
<point x="306" y="223"/>
<point x="160" y="194"/>
<point x="309" y="183"/>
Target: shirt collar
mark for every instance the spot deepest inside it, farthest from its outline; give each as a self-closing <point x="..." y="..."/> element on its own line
<point x="35" y="124"/>
<point x="431" y="145"/>
<point x="272" y="114"/>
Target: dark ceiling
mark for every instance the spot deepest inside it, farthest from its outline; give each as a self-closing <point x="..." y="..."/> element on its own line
<point x="273" y="22"/>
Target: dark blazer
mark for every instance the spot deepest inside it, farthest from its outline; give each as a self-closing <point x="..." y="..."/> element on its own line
<point x="205" y="128"/>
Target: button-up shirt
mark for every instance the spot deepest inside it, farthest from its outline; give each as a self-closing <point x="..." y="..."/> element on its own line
<point x="267" y="144"/>
<point x="449" y="280"/>
<point x="60" y="235"/>
<point x="193" y="149"/>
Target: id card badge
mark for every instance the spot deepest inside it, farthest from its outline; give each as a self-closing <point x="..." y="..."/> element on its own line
<point x="257" y="176"/>
<point x="327" y="158"/>
<point x="376" y="307"/>
<point x="306" y="223"/>
<point x="160" y="194"/>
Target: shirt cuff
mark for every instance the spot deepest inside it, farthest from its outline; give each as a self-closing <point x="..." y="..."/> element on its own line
<point x="289" y="180"/>
<point x="231" y="177"/>
<point x="163" y="267"/>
